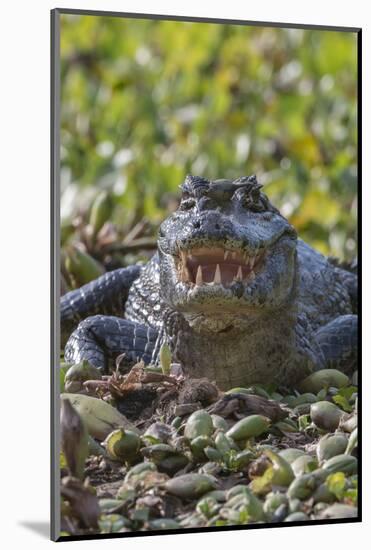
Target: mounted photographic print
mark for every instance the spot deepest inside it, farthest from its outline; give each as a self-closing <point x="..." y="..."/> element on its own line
<point x="204" y="282"/>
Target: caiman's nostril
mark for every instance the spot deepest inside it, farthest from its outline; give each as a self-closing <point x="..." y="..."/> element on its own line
<point x="217" y="226"/>
<point x="197" y="224"/>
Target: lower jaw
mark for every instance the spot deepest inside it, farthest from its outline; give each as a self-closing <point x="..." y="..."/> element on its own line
<point x="220" y="323"/>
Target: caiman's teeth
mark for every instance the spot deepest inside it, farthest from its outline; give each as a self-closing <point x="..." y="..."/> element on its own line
<point x="199" y="279"/>
<point x="184" y="274"/>
<point x="233" y="255"/>
<point x="239" y="275"/>
<point x="226" y="255"/>
<point x="217" y="276"/>
<point x="252" y="276"/>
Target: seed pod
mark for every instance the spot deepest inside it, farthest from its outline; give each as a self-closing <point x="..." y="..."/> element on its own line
<point x="219" y="423"/>
<point x="217" y="495"/>
<point x="112" y="523"/>
<point x="199" y="423"/>
<point x="79" y="373"/>
<point x="122" y="445"/>
<point x="138" y="469"/>
<point x="323" y="494"/>
<point x="305" y="398"/>
<point x="290" y="401"/>
<point x="287" y="426"/>
<point x="158" y="452"/>
<point x="339" y="510"/>
<point x="190" y="485"/>
<point x="99" y="417"/>
<point x="331" y="445"/>
<point x="297" y="516"/>
<point x="94" y="448"/>
<point x="302" y="487"/>
<point x="353" y="442"/>
<point x="304" y="464"/>
<point x="248" y="500"/>
<point x="325" y="415"/>
<point x="126" y="493"/>
<point x="101" y="211"/>
<point x="233" y="491"/>
<point x="213" y="454"/>
<point x="251" y="426"/>
<point x="323" y="379"/>
<point x="348" y="423"/>
<point x="160" y="431"/>
<point x="291" y="454"/>
<point x="207" y="506"/>
<point x="283" y="474"/>
<point x="243" y="459"/>
<point x="347" y="464"/>
<point x="277" y="472"/>
<point x="273" y="501"/>
<point x="258" y="390"/>
<point x="295" y="505"/>
<point x="74" y="439"/>
<point x="210" y="468"/>
<point x="222" y="443"/>
<point x="82" y="267"/>
<point x="276" y="396"/>
<point x="198" y="444"/>
<point x="172" y="464"/>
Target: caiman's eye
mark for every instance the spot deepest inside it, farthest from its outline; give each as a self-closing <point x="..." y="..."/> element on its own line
<point x="257" y="206"/>
<point x="251" y="200"/>
<point x="187" y="203"/>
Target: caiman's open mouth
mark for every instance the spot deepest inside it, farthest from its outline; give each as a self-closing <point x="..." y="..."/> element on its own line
<point x="218" y="266"/>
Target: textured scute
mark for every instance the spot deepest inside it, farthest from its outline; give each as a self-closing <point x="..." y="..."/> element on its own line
<point x="338" y="341"/>
<point x="323" y="289"/>
<point x="105" y="295"/>
<point x="144" y="304"/>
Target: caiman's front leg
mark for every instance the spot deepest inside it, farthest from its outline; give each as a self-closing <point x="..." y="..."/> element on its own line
<point x="101" y="338"/>
<point x="105" y="295"/>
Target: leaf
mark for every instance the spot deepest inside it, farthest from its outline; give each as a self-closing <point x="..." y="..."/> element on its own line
<point x="343" y="402"/>
<point x="303" y="422"/>
<point x="336" y="484"/>
<point x="62" y="373"/>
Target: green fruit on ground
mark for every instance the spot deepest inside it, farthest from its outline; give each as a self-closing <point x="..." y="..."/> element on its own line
<point x="251" y="426"/>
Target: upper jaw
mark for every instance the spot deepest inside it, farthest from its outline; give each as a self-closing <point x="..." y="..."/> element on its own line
<point x="217" y="265"/>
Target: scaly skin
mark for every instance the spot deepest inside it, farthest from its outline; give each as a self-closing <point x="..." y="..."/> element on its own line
<point x="234" y="293"/>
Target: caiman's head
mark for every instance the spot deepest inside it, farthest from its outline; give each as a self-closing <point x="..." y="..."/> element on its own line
<point x="225" y="254"/>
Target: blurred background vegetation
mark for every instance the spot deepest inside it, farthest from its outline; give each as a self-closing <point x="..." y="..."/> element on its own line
<point x="145" y="102"/>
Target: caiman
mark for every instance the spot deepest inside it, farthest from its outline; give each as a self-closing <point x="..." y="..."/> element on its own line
<point x="232" y="290"/>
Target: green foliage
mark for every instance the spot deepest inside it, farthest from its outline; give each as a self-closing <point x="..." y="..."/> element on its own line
<point x="146" y="102"/>
<point x="343" y="490"/>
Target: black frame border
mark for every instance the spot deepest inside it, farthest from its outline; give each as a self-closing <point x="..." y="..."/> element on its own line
<point x="55" y="264"/>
